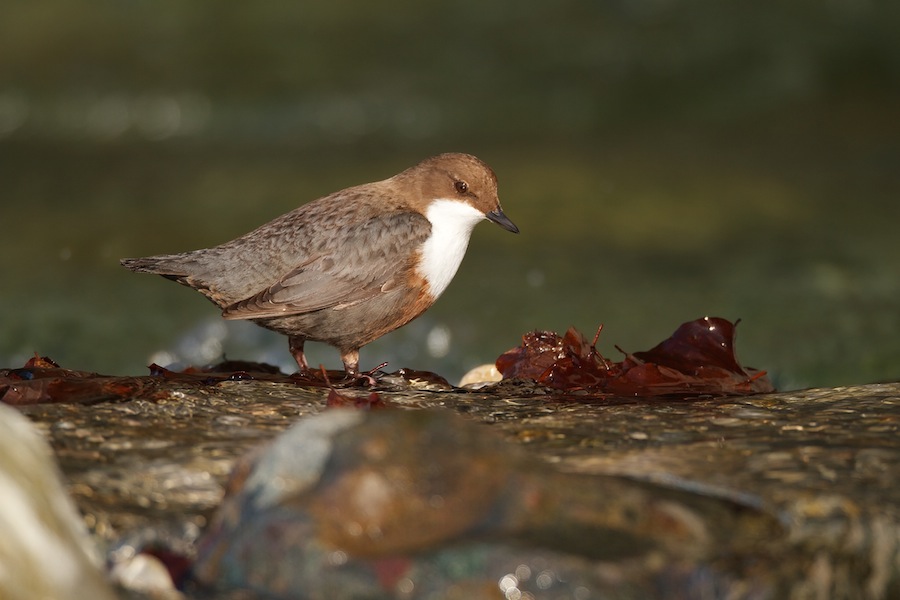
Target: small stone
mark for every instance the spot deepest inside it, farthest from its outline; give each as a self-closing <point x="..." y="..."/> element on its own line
<point x="480" y="376"/>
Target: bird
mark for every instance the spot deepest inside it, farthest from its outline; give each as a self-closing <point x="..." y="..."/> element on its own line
<point x="351" y="266"/>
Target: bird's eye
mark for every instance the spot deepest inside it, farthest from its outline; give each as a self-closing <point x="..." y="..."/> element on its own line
<point x="462" y="187"/>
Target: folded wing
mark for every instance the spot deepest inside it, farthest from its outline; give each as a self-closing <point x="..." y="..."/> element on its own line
<point x="354" y="265"/>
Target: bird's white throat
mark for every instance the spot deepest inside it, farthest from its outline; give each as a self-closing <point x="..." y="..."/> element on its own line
<point x="452" y="222"/>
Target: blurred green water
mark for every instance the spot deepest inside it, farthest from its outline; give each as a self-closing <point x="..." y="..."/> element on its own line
<point x="664" y="161"/>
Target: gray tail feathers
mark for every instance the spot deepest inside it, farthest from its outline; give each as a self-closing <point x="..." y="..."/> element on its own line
<point x="181" y="265"/>
<point x="177" y="267"/>
<point x="147" y="265"/>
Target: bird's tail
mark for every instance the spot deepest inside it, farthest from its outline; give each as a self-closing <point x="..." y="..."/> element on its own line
<point x="151" y="264"/>
<point x="178" y="267"/>
<point x="185" y="268"/>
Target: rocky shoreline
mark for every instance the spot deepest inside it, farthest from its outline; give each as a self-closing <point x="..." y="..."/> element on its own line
<point x="782" y="495"/>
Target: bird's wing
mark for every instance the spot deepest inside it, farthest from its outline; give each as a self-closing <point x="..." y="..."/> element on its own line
<point x="354" y="264"/>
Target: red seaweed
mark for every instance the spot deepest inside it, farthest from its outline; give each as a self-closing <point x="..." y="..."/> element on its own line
<point x="698" y="359"/>
<point x="41" y="380"/>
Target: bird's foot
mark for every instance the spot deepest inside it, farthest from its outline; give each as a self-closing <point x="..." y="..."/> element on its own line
<point x="353" y="377"/>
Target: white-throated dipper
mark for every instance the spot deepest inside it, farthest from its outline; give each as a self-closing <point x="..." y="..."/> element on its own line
<point x="349" y="267"/>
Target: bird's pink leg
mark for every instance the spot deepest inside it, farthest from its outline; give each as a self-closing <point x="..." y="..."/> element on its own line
<point x="295" y="343"/>
<point x="350" y="359"/>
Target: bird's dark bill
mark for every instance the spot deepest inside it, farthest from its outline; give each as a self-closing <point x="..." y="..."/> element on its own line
<point x="502" y="220"/>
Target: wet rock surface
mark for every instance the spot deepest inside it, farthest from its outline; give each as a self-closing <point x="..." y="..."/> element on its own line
<point x="776" y="495"/>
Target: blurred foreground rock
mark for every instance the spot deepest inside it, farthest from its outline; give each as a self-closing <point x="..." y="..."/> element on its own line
<point x="393" y="502"/>
<point x="45" y="550"/>
<point x="788" y="495"/>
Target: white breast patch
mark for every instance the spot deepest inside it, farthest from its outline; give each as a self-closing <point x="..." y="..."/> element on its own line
<point x="452" y="222"/>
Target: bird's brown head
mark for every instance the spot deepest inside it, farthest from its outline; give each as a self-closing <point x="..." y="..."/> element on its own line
<point x="456" y="177"/>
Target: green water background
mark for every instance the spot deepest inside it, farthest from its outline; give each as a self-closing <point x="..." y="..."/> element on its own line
<point x="664" y="159"/>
